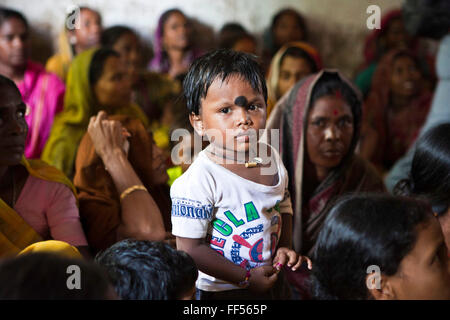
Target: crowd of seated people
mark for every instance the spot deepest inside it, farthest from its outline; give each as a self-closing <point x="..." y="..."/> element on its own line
<point x="90" y="174"/>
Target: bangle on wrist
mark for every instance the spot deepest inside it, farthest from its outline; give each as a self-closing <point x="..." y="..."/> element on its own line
<point x="131" y="190"/>
<point x="246" y="282"/>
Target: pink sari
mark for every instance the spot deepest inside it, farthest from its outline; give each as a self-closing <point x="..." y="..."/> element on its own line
<point x="43" y="93"/>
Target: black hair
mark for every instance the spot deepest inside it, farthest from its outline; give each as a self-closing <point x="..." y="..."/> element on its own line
<point x="6" y="14"/>
<point x="362" y="231"/>
<point x="222" y="64"/>
<point x="98" y="63"/>
<point x="300" y="53"/>
<point x="166" y="14"/>
<point x="300" y="20"/>
<point x="112" y="34"/>
<point x="148" y="270"/>
<point x="330" y="84"/>
<point x="429" y="177"/>
<point x="231" y="33"/>
<point x="45" y="276"/>
<point x="8" y="83"/>
<point x="427" y="18"/>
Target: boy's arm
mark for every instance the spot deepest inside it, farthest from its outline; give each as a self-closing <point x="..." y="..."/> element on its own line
<point x="214" y="264"/>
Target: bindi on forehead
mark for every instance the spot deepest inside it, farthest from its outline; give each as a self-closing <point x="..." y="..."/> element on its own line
<point x="241" y="101"/>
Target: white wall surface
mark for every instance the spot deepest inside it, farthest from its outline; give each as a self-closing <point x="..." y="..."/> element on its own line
<point x="337" y="27"/>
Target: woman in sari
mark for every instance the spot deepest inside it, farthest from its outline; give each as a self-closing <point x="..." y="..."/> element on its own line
<point x="319" y="123"/>
<point x="391" y="35"/>
<point x="96" y="81"/>
<point x="37" y="202"/>
<point x="81" y="32"/>
<point x="42" y="92"/>
<point x="395" y="110"/>
<point x="291" y="63"/>
<point x="154" y="92"/>
<point x="108" y="165"/>
<point x="173" y="48"/>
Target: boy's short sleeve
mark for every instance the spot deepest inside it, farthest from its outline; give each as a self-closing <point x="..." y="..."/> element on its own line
<point x="192" y="206"/>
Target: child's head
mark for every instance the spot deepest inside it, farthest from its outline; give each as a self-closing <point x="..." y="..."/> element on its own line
<point x="226" y="91"/>
<point x="397" y="238"/>
<point x="146" y="270"/>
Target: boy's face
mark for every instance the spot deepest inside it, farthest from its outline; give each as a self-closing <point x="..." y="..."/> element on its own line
<point x="231" y="114"/>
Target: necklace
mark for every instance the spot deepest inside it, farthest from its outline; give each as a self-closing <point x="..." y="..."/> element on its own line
<point x="248" y="164"/>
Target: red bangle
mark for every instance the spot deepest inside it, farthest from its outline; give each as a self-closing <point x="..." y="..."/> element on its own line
<point x="246" y="282"/>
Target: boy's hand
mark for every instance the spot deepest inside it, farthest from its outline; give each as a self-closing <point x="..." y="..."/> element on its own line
<point x="262" y="279"/>
<point x="285" y="256"/>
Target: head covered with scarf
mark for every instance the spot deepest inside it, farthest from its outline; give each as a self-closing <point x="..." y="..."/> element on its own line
<point x="352" y="174"/>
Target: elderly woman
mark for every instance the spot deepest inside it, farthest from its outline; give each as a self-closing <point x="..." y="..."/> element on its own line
<point x="319" y="123"/>
<point x="380" y="247"/>
<point x="173" y="47"/>
<point x="37" y="202"/>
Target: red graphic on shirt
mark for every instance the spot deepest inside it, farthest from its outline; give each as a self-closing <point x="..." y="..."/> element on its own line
<point x="255" y="251"/>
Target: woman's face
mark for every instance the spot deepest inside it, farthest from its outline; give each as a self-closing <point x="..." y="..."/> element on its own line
<point x="245" y="45"/>
<point x="113" y="88"/>
<point x="89" y="32"/>
<point x="405" y="77"/>
<point x="176" y="32"/>
<point x="292" y="69"/>
<point x="14" y="43"/>
<point x="128" y="47"/>
<point x="329" y="133"/>
<point x="396" y="36"/>
<point x="13" y="127"/>
<point x="287" y="29"/>
<point x="424" y="273"/>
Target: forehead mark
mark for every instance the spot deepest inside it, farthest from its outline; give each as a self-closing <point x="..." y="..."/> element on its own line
<point x="241" y="101"/>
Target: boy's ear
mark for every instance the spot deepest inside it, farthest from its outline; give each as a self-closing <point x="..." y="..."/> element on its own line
<point x="197" y="124"/>
<point x="380" y="288"/>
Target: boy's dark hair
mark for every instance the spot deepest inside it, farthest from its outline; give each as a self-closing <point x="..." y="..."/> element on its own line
<point x="221" y="64"/>
<point x="44" y="276"/>
<point x="6" y="13"/>
<point x="361" y="231"/>
<point x="112" y="34"/>
<point x="148" y="270"/>
<point x="430" y="170"/>
<point x="98" y="63"/>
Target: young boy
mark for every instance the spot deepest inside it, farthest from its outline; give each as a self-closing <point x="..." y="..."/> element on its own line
<point x="235" y="221"/>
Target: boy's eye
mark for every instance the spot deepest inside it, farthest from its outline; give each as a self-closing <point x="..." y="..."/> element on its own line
<point x="253" y="107"/>
<point x="225" y="110"/>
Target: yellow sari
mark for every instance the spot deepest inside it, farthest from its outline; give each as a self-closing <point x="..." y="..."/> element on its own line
<point x="15" y="233"/>
<point x="79" y="105"/>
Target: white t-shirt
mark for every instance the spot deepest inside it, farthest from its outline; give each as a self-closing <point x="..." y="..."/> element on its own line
<point x="240" y="218"/>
